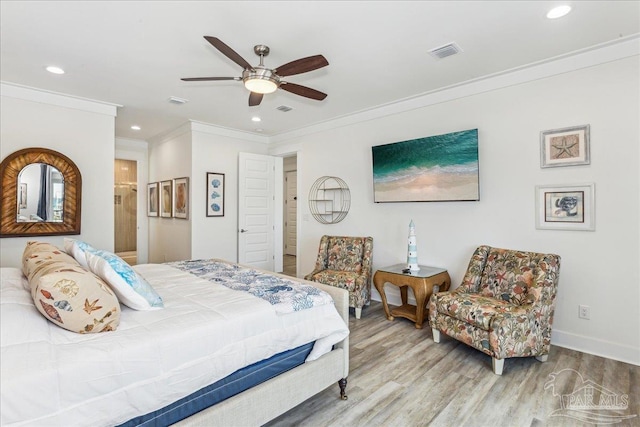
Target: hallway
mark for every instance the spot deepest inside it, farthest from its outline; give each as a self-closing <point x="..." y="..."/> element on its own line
<point x="289" y="265"/>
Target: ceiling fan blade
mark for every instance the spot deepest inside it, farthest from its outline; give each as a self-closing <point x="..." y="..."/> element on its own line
<point x="255" y="99"/>
<point x="307" y="92"/>
<point x="302" y="65"/>
<point x="202" y="79"/>
<point x="228" y="52"/>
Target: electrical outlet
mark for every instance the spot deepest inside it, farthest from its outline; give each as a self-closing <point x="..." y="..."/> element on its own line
<point x="584" y="312"/>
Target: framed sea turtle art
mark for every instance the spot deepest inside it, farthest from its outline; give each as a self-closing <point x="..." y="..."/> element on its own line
<point x="566" y="207"/>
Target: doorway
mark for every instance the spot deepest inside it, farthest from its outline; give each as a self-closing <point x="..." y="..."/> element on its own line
<point x="125" y="205"/>
<point x="260" y="211"/>
<point x="290" y="209"/>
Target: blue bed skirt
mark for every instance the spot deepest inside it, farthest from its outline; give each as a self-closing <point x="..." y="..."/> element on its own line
<point x="235" y="383"/>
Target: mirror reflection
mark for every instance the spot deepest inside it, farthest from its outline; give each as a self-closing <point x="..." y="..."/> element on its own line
<point x="40" y="194"/>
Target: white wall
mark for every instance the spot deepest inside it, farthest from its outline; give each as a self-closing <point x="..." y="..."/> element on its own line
<point x="191" y="151"/>
<point x="599" y="269"/>
<point x="170" y="158"/>
<point x="81" y="130"/>
<point x="216" y="151"/>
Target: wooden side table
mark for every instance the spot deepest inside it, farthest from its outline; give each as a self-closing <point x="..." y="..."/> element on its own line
<point x="421" y="282"/>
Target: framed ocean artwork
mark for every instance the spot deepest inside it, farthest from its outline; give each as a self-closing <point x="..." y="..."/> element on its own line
<point x="431" y="169"/>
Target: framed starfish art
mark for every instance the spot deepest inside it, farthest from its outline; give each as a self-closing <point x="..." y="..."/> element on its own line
<point x="565" y="147"/>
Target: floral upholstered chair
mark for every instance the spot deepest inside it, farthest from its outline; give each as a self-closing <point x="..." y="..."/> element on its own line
<point x="345" y="262"/>
<point x="504" y="306"/>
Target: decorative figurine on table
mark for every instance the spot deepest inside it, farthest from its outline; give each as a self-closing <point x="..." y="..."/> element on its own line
<point x="412" y="251"/>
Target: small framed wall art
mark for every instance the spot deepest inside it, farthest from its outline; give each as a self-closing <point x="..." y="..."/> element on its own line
<point x="565" y="207"/>
<point x="565" y="147"/>
<point x="215" y="194"/>
<point x="166" y="188"/>
<point x="152" y="199"/>
<point x="181" y="198"/>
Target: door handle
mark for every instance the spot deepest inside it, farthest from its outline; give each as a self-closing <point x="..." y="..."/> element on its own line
<point x="242" y="230"/>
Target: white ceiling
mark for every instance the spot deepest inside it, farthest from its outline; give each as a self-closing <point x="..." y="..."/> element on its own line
<point x="134" y="53"/>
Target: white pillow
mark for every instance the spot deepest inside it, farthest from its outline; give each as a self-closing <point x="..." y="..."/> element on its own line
<point x="131" y="289"/>
<point x="77" y="248"/>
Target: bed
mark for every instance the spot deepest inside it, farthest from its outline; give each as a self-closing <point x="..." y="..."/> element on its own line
<point x="158" y="366"/>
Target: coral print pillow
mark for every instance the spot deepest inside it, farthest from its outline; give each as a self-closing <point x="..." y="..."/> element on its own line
<point x="131" y="289"/>
<point x="76" y="300"/>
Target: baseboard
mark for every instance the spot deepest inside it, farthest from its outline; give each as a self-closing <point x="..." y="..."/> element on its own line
<point x="610" y="350"/>
<point x="584" y="344"/>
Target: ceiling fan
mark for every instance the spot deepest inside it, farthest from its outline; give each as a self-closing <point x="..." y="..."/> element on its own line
<point x="261" y="80"/>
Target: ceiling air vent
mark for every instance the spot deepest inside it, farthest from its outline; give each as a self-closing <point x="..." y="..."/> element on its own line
<point x="284" y="108"/>
<point x="446" y="50"/>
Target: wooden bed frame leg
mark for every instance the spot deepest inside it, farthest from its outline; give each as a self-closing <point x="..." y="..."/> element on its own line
<point x="343" y="386"/>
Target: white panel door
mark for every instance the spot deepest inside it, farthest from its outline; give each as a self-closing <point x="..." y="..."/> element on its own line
<point x="290" y="229"/>
<point x="257" y="210"/>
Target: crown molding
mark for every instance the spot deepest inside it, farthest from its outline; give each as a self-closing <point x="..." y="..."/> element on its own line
<point x="170" y="134"/>
<point x="27" y="93"/>
<point x="131" y="144"/>
<point x="197" y="126"/>
<point x="622" y="48"/>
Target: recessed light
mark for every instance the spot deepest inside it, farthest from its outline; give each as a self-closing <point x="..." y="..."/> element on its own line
<point x="135" y="127"/>
<point x="176" y="100"/>
<point x="558" y="12"/>
<point x="55" y="70"/>
<point x="256" y="119"/>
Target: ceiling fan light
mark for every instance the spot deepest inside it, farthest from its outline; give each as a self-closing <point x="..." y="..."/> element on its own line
<point x="260" y="85"/>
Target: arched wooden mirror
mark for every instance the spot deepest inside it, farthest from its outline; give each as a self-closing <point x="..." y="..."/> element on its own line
<point x="41" y="194"/>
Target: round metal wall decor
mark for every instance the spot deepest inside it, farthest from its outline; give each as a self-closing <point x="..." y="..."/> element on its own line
<point x="329" y="199"/>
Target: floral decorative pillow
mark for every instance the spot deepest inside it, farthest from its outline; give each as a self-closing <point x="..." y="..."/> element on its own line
<point x="76" y="300"/>
<point x="132" y="290"/>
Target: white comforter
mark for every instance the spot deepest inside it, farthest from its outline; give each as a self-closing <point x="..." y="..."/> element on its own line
<point x="54" y="377"/>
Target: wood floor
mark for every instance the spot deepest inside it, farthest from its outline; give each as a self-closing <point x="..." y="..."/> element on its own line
<point x="289" y="265"/>
<point x="400" y="377"/>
